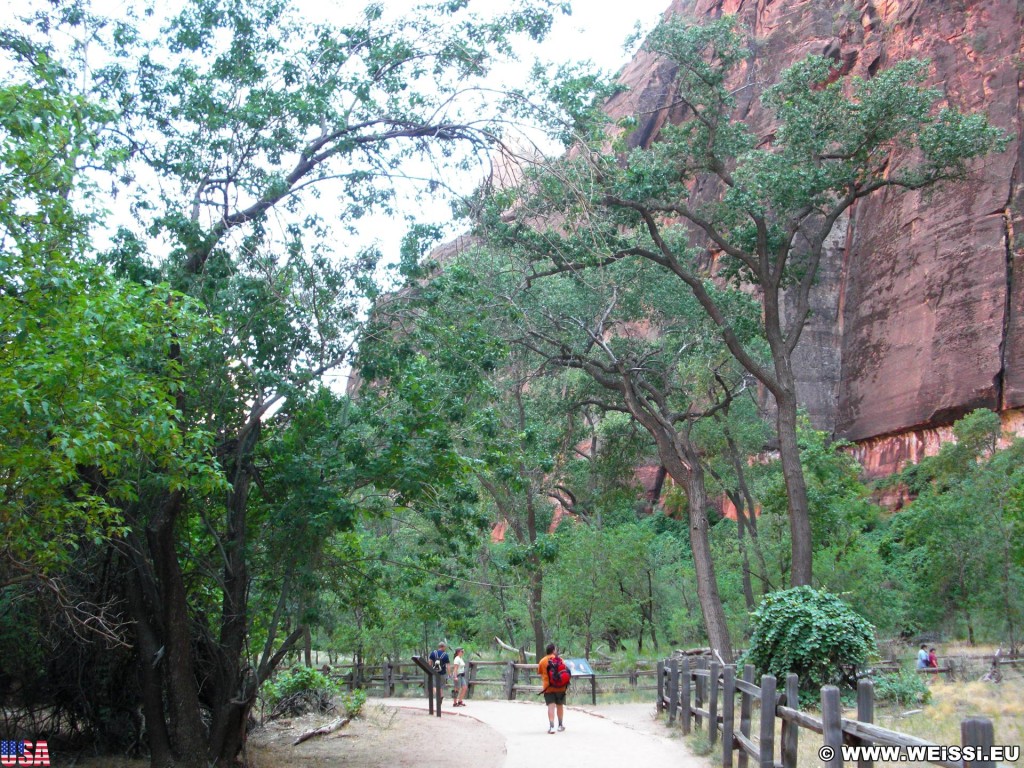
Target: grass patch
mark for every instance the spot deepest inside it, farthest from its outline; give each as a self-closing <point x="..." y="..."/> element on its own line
<point x="697" y="742"/>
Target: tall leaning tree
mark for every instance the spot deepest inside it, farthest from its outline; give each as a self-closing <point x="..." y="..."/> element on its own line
<point x="252" y="143"/>
<point x="646" y="350"/>
<point x="711" y="201"/>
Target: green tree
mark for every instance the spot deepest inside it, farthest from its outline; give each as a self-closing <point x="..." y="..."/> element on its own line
<point x="87" y="399"/>
<point x="956" y="539"/>
<point x="504" y="425"/>
<point x="776" y="202"/>
<point x="608" y="583"/>
<point x="233" y="116"/>
<point x="646" y="351"/>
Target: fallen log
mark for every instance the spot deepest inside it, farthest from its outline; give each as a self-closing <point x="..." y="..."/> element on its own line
<point x="693" y="652"/>
<point x="323" y="730"/>
<point x="508" y="647"/>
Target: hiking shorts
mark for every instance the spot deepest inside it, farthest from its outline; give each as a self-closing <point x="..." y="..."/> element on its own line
<point x="555" y="698"/>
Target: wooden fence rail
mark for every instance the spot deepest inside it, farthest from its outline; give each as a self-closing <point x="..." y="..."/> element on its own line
<point x="505" y="679"/>
<point x="699" y="692"/>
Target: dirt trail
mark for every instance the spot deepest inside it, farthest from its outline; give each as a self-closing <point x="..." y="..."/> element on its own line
<point x="609" y="736"/>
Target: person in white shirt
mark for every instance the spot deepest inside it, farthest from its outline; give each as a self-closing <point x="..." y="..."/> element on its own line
<point x="458" y="666"/>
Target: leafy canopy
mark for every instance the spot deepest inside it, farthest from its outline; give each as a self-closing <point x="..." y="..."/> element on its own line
<point x="87" y="399"/>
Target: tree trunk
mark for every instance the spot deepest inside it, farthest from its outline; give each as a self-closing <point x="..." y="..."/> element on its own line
<point x="186" y="727"/>
<point x="707" y="585"/>
<point x="150" y="652"/>
<point x="682" y="463"/>
<point x="536" y="601"/>
<point x="183" y="673"/>
<point x="536" y="617"/>
<point x="796" y="489"/>
<point x="741" y="525"/>
<point x="234" y="694"/>
<point x="650" y="609"/>
<point x="690" y="477"/>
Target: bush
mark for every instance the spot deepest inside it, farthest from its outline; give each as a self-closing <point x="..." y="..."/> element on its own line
<point x="352" y="703"/>
<point x="902" y="688"/>
<point x="298" y="691"/>
<point x="812" y="633"/>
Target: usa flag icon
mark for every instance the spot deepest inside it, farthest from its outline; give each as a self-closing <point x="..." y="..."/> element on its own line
<point x="18" y="752"/>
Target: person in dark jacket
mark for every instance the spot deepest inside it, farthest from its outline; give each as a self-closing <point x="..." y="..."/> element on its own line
<point x="439" y="663"/>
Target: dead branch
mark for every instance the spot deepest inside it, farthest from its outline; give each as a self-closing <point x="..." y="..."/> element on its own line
<point x="323" y="730"/>
<point x="508" y="647"/>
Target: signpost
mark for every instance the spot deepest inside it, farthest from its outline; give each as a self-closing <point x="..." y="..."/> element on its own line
<point x="582" y="668"/>
<point x="435" y="688"/>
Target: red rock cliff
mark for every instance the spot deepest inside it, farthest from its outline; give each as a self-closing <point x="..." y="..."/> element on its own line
<point x="918" y="312"/>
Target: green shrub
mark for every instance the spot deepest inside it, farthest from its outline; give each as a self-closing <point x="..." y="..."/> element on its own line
<point x="352" y="703"/>
<point x="811" y="633"/>
<point x="298" y="691"/>
<point x="902" y="688"/>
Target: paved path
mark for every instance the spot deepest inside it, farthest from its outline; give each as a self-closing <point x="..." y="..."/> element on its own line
<point x="612" y="736"/>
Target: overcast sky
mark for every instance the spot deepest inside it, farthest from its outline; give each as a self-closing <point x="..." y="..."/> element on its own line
<point x="595" y="31"/>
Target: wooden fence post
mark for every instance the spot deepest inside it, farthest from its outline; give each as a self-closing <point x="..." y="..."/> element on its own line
<point x="715" y="671"/>
<point x="389" y="679"/>
<point x="865" y="714"/>
<point x="978" y="732"/>
<point x="439" y="691"/>
<point x="684" y="697"/>
<point x="832" y="725"/>
<point x="660" y="674"/>
<point x="698" y="694"/>
<point x="728" y="713"/>
<point x="766" y="739"/>
<point x="790" y="730"/>
<point x="430" y="691"/>
<point x="673" y="690"/>
<point x="471" y="678"/>
<point x="745" y="707"/>
<point x="513" y="693"/>
<point x="510" y="681"/>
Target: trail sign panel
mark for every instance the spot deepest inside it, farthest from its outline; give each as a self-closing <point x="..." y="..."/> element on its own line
<point x="579" y="667"/>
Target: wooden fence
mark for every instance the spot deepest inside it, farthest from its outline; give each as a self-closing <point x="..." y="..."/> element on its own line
<point x="501" y="679"/>
<point x="703" y="694"/>
<point x="962" y="667"/>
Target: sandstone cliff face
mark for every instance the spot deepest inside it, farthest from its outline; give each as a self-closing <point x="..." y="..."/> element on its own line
<point x="918" y="310"/>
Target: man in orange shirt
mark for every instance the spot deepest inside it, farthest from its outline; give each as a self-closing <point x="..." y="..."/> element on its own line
<point x="554" y="696"/>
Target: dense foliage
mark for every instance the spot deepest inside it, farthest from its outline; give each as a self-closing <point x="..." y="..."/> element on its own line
<point x="710" y="201"/>
<point x="811" y="633"/>
<point x="560" y="433"/>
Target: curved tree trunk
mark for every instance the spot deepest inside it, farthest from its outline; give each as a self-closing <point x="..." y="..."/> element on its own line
<point x="692" y="481"/>
<point x="684" y="468"/>
<point x="682" y="462"/>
